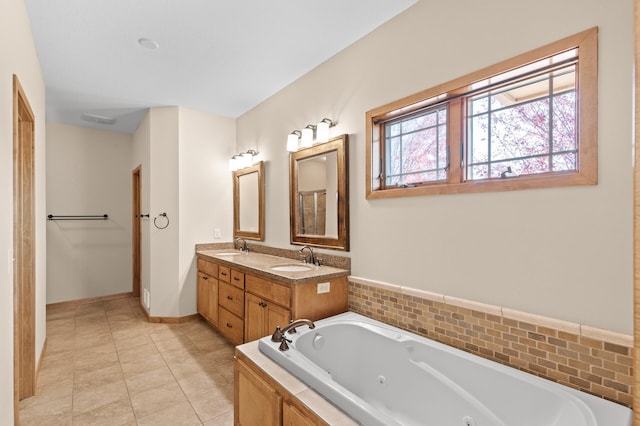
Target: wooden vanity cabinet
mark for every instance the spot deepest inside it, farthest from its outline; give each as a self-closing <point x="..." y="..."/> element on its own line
<point x="246" y="307"/>
<point x="260" y="401"/>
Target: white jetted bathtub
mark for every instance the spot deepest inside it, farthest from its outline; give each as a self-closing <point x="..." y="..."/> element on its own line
<point x="382" y="375"/>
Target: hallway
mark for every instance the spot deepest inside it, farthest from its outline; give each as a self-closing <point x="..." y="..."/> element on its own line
<point x="104" y="364"/>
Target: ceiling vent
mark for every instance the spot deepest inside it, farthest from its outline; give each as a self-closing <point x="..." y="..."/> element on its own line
<point x="101" y="119"/>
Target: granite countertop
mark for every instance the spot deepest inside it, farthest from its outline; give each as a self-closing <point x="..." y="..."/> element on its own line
<point x="315" y="402"/>
<point x="263" y="263"/>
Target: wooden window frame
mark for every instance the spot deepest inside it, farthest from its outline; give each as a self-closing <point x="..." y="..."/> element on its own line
<point x="587" y="122"/>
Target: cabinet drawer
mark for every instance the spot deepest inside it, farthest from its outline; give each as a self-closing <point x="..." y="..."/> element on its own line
<point x="237" y="278"/>
<point x="231" y="326"/>
<point x="277" y="293"/>
<point x="208" y="268"/>
<point x="224" y="273"/>
<point x="232" y="299"/>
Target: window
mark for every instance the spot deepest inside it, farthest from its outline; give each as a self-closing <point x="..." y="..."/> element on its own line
<point x="528" y="122"/>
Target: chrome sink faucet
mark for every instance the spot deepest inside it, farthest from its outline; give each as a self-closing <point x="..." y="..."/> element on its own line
<point x="243" y="247"/>
<point x="311" y="259"/>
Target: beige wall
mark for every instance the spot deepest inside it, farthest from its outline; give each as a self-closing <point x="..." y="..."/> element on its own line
<point x="185" y="174"/>
<point x="563" y="253"/>
<point x="207" y="141"/>
<point x="88" y="173"/>
<point x="18" y="56"/>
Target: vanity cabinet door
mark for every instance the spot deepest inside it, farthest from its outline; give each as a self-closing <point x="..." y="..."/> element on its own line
<point x="292" y="416"/>
<point x="208" y="297"/>
<point x="262" y="317"/>
<point x="203" y="294"/>
<point x="256" y="402"/>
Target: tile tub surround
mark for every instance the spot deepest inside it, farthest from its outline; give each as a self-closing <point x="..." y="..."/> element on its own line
<point x="589" y="359"/>
<point x="340" y="262"/>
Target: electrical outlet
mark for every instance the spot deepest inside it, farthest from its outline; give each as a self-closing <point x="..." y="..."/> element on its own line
<point x="216" y="234"/>
<point x="324" y="287"/>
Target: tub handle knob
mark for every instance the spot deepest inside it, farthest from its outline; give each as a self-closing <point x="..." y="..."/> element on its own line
<point x="277" y="335"/>
<point x="283" y="346"/>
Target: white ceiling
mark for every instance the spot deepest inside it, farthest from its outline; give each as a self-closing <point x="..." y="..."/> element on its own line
<point x="222" y="57"/>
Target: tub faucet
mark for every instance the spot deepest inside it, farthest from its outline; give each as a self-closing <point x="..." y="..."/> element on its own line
<point x="312" y="257"/>
<point x="279" y="334"/>
<point x="243" y="247"/>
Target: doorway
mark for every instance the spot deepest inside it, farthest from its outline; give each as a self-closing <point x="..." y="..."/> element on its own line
<point x="135" y="229"/>
<point x="24" y="352"/>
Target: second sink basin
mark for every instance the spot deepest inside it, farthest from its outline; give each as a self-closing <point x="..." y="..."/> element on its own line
<point x="291" y="268"/>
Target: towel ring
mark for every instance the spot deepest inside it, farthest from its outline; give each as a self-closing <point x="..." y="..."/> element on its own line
<point x="156" y="218"/>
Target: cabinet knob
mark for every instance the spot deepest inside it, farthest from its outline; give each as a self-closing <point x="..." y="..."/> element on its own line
<point x="229" y="325"/>
<point x="236" y="279"/>
<point x="264" y="305"/>
<point x="224" y="274"/>
<point x="229" y="298"/>
<point x="205" y="278"/>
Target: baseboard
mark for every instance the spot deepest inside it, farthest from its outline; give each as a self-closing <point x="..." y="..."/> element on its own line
<point x="172" y="320"/>
<point x="42" y="353"/>
<point x="90" y="300"/>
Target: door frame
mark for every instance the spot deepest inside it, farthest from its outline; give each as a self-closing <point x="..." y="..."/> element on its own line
<point x="136" y="217"/>
<point x="24" y="352"/>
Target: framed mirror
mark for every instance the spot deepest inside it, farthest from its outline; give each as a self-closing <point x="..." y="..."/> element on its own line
<point x="248" y="202"/>
<point x="319" y="195"/>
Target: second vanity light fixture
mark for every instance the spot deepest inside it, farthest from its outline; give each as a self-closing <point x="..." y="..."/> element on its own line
<point x="242" y="160"/>
<point x="305" y="137"/>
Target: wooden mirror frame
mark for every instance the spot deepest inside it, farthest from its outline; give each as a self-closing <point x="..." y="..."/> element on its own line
<point x="341" y="146"/>
<point x="237" y="232"/>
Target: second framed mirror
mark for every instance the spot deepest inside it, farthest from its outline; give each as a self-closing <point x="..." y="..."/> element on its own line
<point x="319" y="195"/>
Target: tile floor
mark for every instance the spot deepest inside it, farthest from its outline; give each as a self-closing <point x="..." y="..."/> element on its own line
<point x="104" y="364"/>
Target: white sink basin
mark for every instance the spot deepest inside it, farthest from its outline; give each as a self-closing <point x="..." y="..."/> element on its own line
<point x="291" y="268"/>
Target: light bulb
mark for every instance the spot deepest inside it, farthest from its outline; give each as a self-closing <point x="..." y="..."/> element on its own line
<point x="307" y="136"/>
<point x="322" y="130"/>
<point x="292" y="141"/>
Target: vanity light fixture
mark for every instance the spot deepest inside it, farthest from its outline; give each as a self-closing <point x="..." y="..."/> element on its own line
<point x="247" y="158"/>
<point x="322" y="130"/>
<point x="307" y="136"/>
<point x="242" y="160"/>
<point x="292" y="140"/>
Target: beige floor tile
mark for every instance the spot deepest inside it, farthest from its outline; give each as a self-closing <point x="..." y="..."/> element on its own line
<point x="137" y="352"/>
<point x="152" y="379"/>
<point x="137" y="366"/>
<point x="54" y="389"/>
<point x="92" y="364"/>
<point x="118" y="413"/>
<point x="42" y="405"/>
<point x="46" y="420"/>
<point x="180" y="414"/>
<point x="225" y="419"/>
<point x="200" y="383"/>
<point x="92" y="398"/>
<point x="106" y="365"/>
<point x="214" y="403"/>
<point x="153" y="400"/>
<point x="90" y="379"/>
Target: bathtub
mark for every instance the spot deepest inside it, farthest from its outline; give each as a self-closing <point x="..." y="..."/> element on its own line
<point x="382" y="375"/>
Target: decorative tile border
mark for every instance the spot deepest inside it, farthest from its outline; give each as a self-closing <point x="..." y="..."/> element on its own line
<point x="582" y="357"/>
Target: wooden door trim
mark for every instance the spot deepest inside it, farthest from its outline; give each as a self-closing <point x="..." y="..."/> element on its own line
<point x="636" y="221"/>
<point x="24" y="365"/>
<point x="136" y="250"/>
